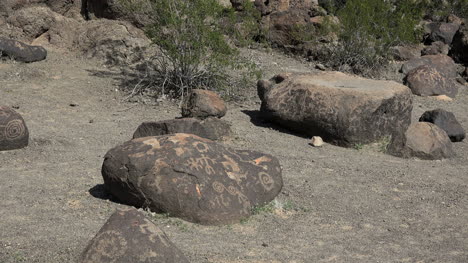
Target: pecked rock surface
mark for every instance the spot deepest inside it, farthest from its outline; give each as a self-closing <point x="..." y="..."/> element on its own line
<point x="340" y="108"/>
<point x="190" y="177"/>
<point x="128" y="236"/>
<point x="13" y="131"/>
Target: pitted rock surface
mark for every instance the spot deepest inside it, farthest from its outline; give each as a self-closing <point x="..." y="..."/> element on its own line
<point x="210" y="128"/>
<point x="446" y="121"/>
<point x="128" y="236"/>
<point x="423" y="140"/>
<point x="20" y="51"/>
<point x="13" y="131"/>
<point x="192" y="178"/>
<point x="428" y="81"/>
<point x="203" y="104"/>
<point x="340" y="108"/>
<point x="444" y="64"/>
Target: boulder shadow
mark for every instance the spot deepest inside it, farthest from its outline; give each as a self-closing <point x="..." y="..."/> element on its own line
<point x="99" y="191"/>
<point x="257" y="119"/>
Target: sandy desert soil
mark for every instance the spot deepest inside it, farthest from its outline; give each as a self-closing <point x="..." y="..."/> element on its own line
<point x="337" y="204"/>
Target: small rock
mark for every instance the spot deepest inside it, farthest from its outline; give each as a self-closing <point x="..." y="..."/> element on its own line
<point x="442" y="98"/>
<point x="316" y="141"/>
<point x="203" y="104"/>
<point x="320" y="67"/>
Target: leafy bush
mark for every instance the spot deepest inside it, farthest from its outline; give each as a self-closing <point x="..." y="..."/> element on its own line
<point x="369" y="29"/>
<point x="194" y="51"/>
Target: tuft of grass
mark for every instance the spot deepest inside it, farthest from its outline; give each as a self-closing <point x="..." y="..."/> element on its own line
<point x="358" y="146"/>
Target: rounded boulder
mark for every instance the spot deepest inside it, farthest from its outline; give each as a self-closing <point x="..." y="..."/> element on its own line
<point x="13" y="131"/>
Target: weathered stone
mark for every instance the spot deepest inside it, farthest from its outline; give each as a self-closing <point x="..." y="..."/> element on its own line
<point x="446" y="121"/>
<point x="210" y="128"/>
<point x="436" y="48"/>
<point x="423" y="140"/>
<point x="444" y="65"/>
<point x="128" y="236"/>
<point x="32" y="20"/>
<point x="284" y="25"/>
<point x="192" y="178"/>
<point x="203" y="104"/>
<point x="403" y="53"/>
<point x="341" y="108"/>
<point x="428" y="81"/>
<point x="20" y="51"/>
<point x="316" y="141"/>
<point x="443" y="32"/>
<point x="459" y="50"/>
<point x="13" y="131"/>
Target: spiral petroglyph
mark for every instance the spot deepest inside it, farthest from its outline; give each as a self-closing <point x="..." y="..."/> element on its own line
<point x="266" y="180"/>
<point x="218" y="187"/>
<point x="14" y="129"/>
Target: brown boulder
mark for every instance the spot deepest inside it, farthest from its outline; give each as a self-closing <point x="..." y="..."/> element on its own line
<point x="13" y="131"/>
<point x="139" y="15"/>
<point x="203" y="104"/>
<point x="285" y="26"/>
<point x="427" y="81"/>
<point x="423" y="140"/>
<point x="128" y="236"/>
<point x="403" y="53"/>
<point x="192" y="178"/>
<point x="443" y="32"/>
<point x="436" y="48"/>
<point x="442" y="63"/>
<point x="210" y="128"/>
<point x="342" y="109"/>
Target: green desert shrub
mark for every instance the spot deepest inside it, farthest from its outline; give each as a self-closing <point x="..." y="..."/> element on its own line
<point x="194" y="51"/>
<point x="368" y="29"/>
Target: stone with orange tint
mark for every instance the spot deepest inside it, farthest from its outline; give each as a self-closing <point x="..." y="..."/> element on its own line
<point x="203" y="104"/>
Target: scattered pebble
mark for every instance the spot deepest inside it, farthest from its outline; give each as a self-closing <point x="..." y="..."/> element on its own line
<point x="316" y="141"/>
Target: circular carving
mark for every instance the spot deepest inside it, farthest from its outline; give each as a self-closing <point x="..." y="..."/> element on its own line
<point x="232" y="190"/>
<point x="218" y="187"/>
<point x="201" y="147"/>
<point x="14" y="130"/>
<point x="266" y="180"/>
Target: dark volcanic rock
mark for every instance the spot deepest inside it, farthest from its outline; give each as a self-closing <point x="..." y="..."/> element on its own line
<point x="340" y="108"/>
<point x="447" y="122"/>
<point x="128" y="236"/>
<point x="13" y="131"/>
<point x="428" y="81"/>
<point x="444" y="64"/>
<point x="423" y="140"/>
<point x="20" y="51"/>
<point x="459" y="50"/>
<point x="443" y="32"/>
<point x="203" y="104"/>
<point x="192" y="178"/>
<point x="210" y="128"/>
<point x="436" y="48"/>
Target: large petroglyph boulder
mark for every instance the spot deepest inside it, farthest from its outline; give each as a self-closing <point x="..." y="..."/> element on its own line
<point x="210" y="128"/>
<point x="442" y="63"/>
<point x="340" y="108"/>
<point x="128" y="236"/>
<point x="428" y="81"/>
<point x="190" y="177"/>
<point x="13" y="131"/>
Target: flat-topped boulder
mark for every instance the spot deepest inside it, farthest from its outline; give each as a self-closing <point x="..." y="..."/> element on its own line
<point x="13" y="131"/>
<point x="190" y="177"/>
<point x="342" y="109"/>
<point x="211" y="128"/>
